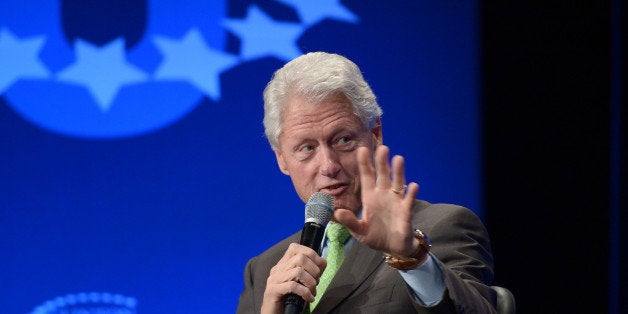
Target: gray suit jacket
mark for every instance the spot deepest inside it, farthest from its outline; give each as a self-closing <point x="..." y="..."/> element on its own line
<point x="365" y="284"/>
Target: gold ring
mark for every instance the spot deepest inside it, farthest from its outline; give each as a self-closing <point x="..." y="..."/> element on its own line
<point x="399" y="191"/>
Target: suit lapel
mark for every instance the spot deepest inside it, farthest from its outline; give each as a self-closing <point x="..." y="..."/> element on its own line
<point x="359" y="264"/>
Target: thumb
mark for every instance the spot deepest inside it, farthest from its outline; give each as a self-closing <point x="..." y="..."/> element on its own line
<point x="348" y="219"/>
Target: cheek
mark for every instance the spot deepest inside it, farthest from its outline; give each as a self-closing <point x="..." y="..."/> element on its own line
<point x="302" y="176"/>
<point x="303" y="185"/>
<point x="350" y="165"/>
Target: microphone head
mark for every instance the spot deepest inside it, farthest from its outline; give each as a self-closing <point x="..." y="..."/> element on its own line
<point x="319" y="208"/>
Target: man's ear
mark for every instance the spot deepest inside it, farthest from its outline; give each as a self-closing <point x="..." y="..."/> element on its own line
<point x="281" y="162"/>
<point x="377" y="132"/>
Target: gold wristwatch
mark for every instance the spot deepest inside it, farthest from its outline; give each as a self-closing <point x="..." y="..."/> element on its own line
<point x="413" y="261"/>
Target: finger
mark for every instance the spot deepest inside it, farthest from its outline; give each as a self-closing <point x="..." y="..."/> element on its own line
<point x="413" y="191"/>
<point x="399" y="176"/>
<point x="290" y="252"/>
<point x="296" y="249"/>
<point x="314" y="269"/>
<point x="382" y="167"/>
<point x="300" y="269"/>
<point x="313" y="265"/>
<point x="278" y="291"/>
<point x="348" y="219"/>
<point x="365" y="166"/>
<point x="308" y="274"/>
<point x="302" y="276"/>
<point x="299" y="256"/>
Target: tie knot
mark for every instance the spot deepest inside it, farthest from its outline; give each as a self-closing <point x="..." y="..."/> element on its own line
<point x="337" y="233"/>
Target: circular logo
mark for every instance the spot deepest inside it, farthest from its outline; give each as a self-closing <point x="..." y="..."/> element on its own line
<point x="85" y="69"/>
<point x="88" y="303"/>
<point x="89" y="84"/>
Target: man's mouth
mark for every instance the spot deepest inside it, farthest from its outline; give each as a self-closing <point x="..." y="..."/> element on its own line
<point x="335" y="190"/>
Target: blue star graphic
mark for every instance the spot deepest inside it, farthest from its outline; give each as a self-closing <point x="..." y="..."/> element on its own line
<point x="311" y="12"/>
<point x="102" y="70"/>
<point x="191" y="59"/>
<point x="19" y="59"/>
<point x="261" y="36"/>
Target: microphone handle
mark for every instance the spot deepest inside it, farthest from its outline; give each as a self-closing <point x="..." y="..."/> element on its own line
<point x="312" y="237"/>
<point x="293" y="304"/>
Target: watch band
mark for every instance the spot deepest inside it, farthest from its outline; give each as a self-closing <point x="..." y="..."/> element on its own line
<point x="416" y="259"/>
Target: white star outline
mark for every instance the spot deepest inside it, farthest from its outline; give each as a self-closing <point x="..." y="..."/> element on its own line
<point x="105" y="70"/>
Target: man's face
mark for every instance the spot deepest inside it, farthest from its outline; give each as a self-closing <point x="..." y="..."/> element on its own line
<point x="318" y="149"/>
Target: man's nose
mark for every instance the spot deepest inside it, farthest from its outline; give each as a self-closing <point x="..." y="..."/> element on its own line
<point x="330" y="164"/>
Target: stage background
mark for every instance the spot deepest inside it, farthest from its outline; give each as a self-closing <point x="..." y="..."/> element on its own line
<point x="134" y="175"/>
<point x="135" y="178"/>
<point x="554" y="133"/>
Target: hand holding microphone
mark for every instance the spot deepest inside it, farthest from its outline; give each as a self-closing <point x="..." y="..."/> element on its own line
<point x="318" y="212"/>
<point x="293" y="279"/>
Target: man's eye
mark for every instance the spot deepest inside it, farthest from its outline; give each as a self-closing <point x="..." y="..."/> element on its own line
<point x="346" y="143"/>
<point x="343" y="140"/>
<point x="303" y="152"/>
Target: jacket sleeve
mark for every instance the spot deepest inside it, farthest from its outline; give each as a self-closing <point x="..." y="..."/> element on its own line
<point x="246" y="304"/>
<point x="461" y="245"/>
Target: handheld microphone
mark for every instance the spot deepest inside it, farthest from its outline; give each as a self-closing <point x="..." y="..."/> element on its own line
<point x="318" y="212"/>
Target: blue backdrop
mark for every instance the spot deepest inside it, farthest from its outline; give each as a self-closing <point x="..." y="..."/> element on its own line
<point x="134" y="174"/>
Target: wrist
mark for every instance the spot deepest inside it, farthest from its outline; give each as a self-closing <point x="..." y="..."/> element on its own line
<point x="414" y="260"/>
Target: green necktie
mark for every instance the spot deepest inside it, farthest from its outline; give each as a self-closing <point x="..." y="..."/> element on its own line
<point x="337" y="235"/>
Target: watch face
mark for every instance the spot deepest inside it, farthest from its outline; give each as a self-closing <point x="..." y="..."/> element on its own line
<point x="419" y="234"/>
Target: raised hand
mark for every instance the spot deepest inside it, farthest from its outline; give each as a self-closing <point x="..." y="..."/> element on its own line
<point x="386" y="223"/>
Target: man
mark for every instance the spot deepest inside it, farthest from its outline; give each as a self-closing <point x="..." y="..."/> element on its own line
<point x="323" y="123"/>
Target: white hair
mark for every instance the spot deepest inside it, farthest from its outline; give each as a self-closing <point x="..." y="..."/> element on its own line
<point x="316" y="77"/>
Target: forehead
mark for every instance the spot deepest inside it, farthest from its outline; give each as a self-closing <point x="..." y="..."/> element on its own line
<point x="301" y="114"/>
